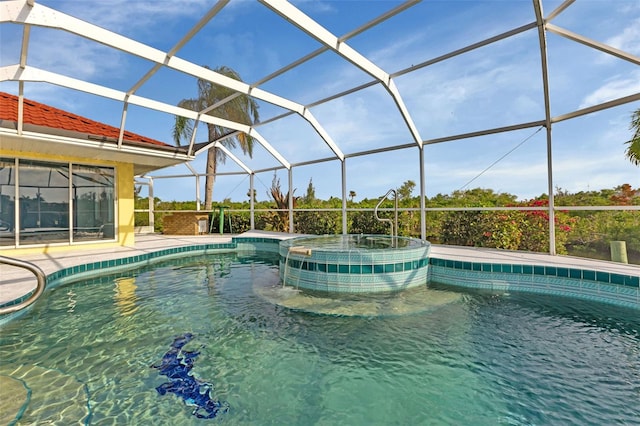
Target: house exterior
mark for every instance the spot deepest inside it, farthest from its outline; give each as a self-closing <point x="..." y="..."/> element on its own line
<point x="68" y="181"/>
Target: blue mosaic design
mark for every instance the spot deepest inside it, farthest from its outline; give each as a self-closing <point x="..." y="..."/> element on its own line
<point x="176" y="364"/>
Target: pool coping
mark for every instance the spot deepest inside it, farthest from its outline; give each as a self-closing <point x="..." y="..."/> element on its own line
<point x="506" y="270"/>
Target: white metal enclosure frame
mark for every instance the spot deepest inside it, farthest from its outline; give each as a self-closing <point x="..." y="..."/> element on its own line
<point x="28" y="13"/>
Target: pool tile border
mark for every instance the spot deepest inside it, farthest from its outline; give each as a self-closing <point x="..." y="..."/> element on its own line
<point x="79" y="271"/>
<point x="612" y="288"/>
<point x="540" y="270"/>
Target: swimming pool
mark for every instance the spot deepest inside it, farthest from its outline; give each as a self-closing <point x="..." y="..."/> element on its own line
<point x="86" y="352"/>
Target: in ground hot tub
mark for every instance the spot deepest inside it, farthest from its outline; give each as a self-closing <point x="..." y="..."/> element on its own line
<point x="354" y="263"/>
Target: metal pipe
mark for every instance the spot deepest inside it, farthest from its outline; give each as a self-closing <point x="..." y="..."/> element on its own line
<point x="41" y="279"/>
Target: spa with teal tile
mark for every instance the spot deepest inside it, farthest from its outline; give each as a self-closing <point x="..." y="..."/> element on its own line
<point x="354" y="263"/>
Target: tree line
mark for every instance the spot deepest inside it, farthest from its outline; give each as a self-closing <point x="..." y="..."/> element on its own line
<point x="581" y="233"/>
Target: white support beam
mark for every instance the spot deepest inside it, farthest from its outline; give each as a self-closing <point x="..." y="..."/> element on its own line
<point x="257" y="136"/>
<point x="20" y="107"/>
<point x="595" y="108"/>
<point x="323" y="134"/>
<point x="593" y="44"/>
<point x="45" y="17"/>
<point x="254" y="134"/>
<point x="542" y="41"/>
<point x="290" y="201"/>
<point x="558" y="10"/>
<point x="404" y="112"/>
<point x="39" y="15"/>
<point x="123" y="122"/>
<point x="233" y="157"/>
<point x="210" y="144"/>
<point x="25" y="45"/>
<point x="317" y="31"/>
<point x="15" y="73"/>
<point x="385" y="16"/>
<point x="197" y="176"/>
<point x="192" y="141"/>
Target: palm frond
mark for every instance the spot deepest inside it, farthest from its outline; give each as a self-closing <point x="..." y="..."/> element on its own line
<point x="182" y="129"/>
<point x="633" y="150"/>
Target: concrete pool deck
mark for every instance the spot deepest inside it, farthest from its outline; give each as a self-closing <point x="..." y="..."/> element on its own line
<point x="16" y="282"/>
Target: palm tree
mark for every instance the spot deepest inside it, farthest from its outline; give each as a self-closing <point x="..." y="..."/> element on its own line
<point x="241" y="109"/>
<point x="633" y="150"/>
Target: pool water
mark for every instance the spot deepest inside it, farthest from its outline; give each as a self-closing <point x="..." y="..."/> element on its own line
<point x="88" y="353"/>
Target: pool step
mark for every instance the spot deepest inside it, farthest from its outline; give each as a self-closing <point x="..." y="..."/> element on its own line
<point x="37" y="395"/>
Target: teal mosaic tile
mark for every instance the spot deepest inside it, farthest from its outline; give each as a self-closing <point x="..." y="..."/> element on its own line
<point x="589" y="275"/>
<point x="630" y="291"/>
<point x="632" y="281"/>
<point x="604" y="277"/>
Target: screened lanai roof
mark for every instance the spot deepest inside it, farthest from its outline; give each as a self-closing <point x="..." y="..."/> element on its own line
<point x="355" y="95"/>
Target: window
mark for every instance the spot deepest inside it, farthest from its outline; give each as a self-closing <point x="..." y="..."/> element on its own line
<point x="55" y="198"/>
<point x="93" y="203"/>
<point x="7" y="201"/>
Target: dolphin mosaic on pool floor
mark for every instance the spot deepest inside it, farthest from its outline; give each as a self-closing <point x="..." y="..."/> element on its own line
<point x="176" y="364"/>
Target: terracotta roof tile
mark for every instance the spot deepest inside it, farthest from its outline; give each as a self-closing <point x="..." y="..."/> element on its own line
<point x="39" y="114"/>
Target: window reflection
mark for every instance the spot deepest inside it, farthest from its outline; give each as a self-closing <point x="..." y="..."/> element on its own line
<point x="7" y="201"/>
<point x="93" y="203"/>
<point x="44" y="202"/>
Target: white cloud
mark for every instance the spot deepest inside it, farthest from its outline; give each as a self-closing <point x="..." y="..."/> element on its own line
<point x="73" y="56"/>
<point x="613" y="89"/>
<point x="315" y="6"/>
<point x="118" y="15"/>
<point x="628" y="40"/>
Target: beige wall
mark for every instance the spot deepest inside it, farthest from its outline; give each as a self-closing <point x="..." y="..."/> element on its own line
<point x="124" y="207"/>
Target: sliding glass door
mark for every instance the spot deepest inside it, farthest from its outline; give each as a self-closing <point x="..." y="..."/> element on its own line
<point x="54" y="199"/>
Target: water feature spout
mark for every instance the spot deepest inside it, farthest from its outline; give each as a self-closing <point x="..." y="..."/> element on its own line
<point x="301" y="250"/>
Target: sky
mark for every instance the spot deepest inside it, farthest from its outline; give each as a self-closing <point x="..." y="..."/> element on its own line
<point x="493" y="86"/>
